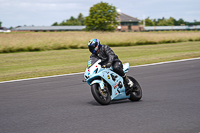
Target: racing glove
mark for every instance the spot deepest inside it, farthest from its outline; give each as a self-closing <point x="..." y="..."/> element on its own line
<point x="108" y="65"/>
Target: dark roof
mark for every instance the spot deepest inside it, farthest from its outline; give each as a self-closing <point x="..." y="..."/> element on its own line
<point x="50" y="28"/>
<point x="126" y="18"/>
<point x="3" y="28"/>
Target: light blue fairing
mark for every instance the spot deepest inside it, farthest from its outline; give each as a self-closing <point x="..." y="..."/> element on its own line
<point x="126" y="67"/>
<point x="95" y="74"/>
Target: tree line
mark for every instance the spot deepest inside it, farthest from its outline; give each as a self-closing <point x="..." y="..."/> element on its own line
<point x="72" y="21"/>
<point x="81" y="20"/>
<point x="167" y="22"/>
<point x="102" y="18"/>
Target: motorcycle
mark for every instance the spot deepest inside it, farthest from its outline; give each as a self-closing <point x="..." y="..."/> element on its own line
<point x="107" y="86"/>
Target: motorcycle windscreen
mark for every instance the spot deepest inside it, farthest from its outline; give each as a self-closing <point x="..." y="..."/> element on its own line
<point x="92" y="61"/>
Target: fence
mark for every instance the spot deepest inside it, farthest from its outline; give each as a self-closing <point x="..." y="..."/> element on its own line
<point x="163" y="28"/>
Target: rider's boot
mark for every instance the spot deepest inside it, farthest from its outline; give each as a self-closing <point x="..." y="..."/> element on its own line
<point x="129" y="84"/>
<point x="128" y="81"/>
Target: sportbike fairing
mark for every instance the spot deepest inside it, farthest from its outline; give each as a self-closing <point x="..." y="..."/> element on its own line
<point x="96" y="74"/>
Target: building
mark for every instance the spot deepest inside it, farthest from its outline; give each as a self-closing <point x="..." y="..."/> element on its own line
<point x="128" y="23"/>
<point x="49" y="28"/>
<point x="172" y="28"/>
<point x="3" y="29"/>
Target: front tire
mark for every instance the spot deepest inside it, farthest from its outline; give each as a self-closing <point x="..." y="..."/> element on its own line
<point x="101" y="98"/>
<point x="136" y="93"/>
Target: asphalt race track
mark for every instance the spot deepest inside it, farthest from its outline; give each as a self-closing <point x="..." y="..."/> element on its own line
<point x="170" y="104"/>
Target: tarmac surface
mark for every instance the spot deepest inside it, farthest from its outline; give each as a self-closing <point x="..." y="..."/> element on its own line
<point x="170" y="104"/>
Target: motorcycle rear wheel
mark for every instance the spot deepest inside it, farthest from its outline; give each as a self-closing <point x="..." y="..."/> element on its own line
<point x="101" y="98"/>
<point x="136" y="94"/>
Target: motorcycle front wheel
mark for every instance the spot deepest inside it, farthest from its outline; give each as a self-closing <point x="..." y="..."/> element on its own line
<point x="102" y="97"/>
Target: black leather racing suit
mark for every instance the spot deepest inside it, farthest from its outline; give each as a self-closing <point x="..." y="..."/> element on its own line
<point x="108" y="56"/>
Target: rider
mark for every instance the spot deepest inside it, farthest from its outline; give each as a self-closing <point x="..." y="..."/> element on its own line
<point x="104" y="52"/>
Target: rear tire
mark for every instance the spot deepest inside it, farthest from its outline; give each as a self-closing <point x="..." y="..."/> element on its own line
<point x="101" y="98"/>
<point x="136" y="94"/>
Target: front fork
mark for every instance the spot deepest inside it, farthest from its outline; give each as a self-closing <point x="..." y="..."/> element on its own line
<point x="101" y="83"/>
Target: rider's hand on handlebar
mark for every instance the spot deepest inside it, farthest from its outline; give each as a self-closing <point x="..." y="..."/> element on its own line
<point x="104" y="66"/>
<point x="108" y="65"/>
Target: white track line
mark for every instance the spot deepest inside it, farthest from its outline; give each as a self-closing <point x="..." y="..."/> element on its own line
<point x="83" y="72"/>
<point x="167" y="62"/>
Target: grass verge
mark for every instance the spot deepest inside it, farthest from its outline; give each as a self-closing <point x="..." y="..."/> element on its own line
<point x="39" y="41"/>
<point x="46" y="63"/>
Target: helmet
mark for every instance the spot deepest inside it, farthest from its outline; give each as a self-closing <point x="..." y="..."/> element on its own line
<point x="94" y="45"/>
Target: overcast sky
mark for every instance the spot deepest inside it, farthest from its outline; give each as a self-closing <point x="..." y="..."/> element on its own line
<point x="46" y="12"/>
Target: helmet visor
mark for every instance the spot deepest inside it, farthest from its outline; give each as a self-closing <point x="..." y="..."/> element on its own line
<point x="92" y="48"/>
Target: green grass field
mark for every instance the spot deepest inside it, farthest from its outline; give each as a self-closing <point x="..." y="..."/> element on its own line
<point x="55" y="62"/>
